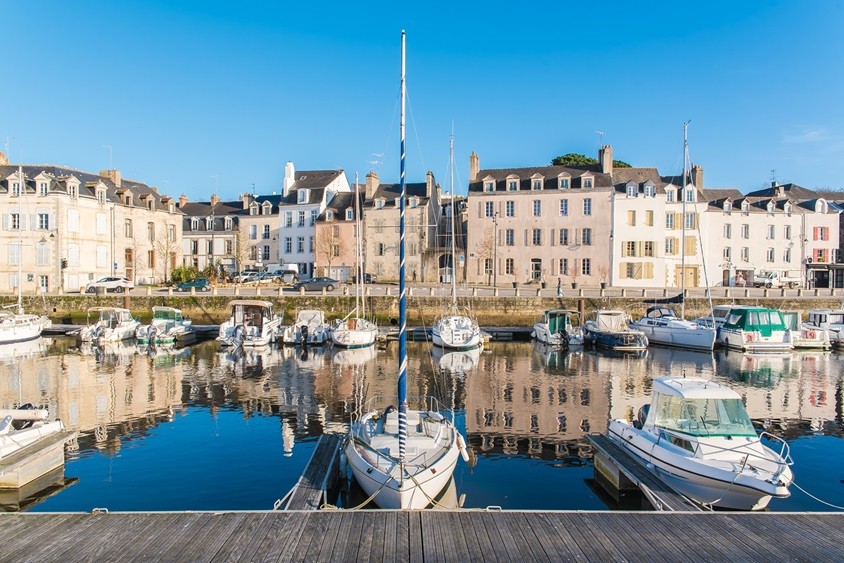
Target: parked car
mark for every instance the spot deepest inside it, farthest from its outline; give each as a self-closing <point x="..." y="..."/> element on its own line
<point x="247" y="276"/>
<point x="316" y="284"/>
<point x="263" y="277"/>
<point x="199" y="284"/>
<point x="367" y="278"/>
<point x="110" y="284"/>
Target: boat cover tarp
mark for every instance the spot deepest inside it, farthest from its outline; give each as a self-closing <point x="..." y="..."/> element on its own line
<point x="676" y="299"/>
<point x="611" y="321"/>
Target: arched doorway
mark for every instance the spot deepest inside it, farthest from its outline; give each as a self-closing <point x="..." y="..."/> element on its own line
<point x="446" y="268"/>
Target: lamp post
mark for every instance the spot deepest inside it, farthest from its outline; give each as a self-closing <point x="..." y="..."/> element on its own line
<point x="495" y="250"/>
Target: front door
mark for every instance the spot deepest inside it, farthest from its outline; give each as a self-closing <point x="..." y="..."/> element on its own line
<point x="690" y="273"/>
<point x="129" y="258"/>
<point x="536" y="269"/>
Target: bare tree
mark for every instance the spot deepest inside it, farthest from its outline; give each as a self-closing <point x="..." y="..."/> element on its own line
<point x="241" y="249"/>
<point x="485" y="249"/>
<point x="329" y="245"/>
<point x="165" y="249"/>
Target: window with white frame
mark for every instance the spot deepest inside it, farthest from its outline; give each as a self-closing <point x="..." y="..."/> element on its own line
<point x="171" y="233"/>
<point x="745" y="254"/>
<point x="314" y="214"/>
<point x="671" y="246"/>
<point x="288" y="218"/>
<point x="487" y="265"/>
<point x="648" y="248"/>
<point x="586" y="266"/>
<point x="489" y="209"/>
<point x="565" y="183"/>
<point x="787" y="232"/>
<point x="769" y="255"/>
<point x="288" y="245"/>
<point x="303" y="196"/>
<point x="564" y="207"/>
<point x="631" y="248"/>
<point x="209" y="247"/>
<point x="536" y="184"/>
<point x="300" y="244"/>
<point x="728" y="206"/>
<point x="127" y="228"/>
<point x="650" y="190"/>
<point x="44" y="283"/>
<point x="787" y="255"/>
<point x="564" y="237"/>
<point x="310" y="244"/>
<point x="727" y="254"/>
<point x="537" y="237"/>
<point x="43" y="220"/>
<point x="350" y="214"/>
<point x="632" y="190"/>
<point x="229" y="247"/>
<point x="586" y="236"/>
<point x="266" y="234"/>
<point x="669" y="220"/>
<point x="669" y="196"/>
<point x="43" y="188"/>
<point x="771" y="232"/>
<point x="151" y="232"/>
<point x="509" y="237"/>
<point x="194" y="247"/>
<point x="564" y="266"/>
<point x="510" y="208"/>
<point x="253" y="232"/>
<point x="745" y="231"/>
<point x="728" y="231"/>
<point x="513" y="185"/>
<point x="587" y="182"/>
<point x="16" y="189"/>
<point x="72" y="191"/>
<point x="587" y="206"/>
<point x="690" y="194"/>
<point x="537" y="208"/>
<point x="690" y="221"/>
<point x="509" y="266"/>
<point x="489" y="187"/>
<point x="301" y="222"/>
<point x="265" y="254"/>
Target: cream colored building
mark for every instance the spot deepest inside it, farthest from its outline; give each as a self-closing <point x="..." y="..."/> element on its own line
<point x="540" y="223"/>
<point x="422" y="216"/>
<point x="70" y="227"/>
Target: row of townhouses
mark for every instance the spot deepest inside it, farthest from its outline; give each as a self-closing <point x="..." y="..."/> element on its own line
<point x="628" y="227"/>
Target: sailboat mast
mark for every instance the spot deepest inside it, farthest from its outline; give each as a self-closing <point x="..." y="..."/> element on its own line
<point x="20" y="239"/>
<point x="453" y="276"/>
<point x="402" y="383"/>
<point x="683" y="236"/>
<point x="360" y="308"/>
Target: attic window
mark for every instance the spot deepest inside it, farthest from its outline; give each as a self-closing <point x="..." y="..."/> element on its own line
<point x="632" y="190"/>
<point x="787" y="208"/>
<point x="690" y="194"/>
<point x="587" y="183"/>
<point x="350" y="214"/>
<point x="228" y="223"/>
<point x="536" y="184"/>
<point x="302" y="196"/>
<point x="650" y="190"/>
<point x="728" y="206"/>
<point x="771" y="207"/>
<point x="489" y="187"/>
<point x="669" y="195"/>
<point x="745" y="207"/>
<point x="820" y="207"/>
<point x="194" y="224"/>
<point x="563" y="183"/>
<point x="151" y="204"/>
<point x="127" y="199"/>
<point x="379" y="203"/>
<point x="267" y="208"/>
<point x="414" y="201"/>
<point x="43" y="188"/>
<point x="253" y="209"/>
<point x="16" y="189"/>
<point x="101" y="195"/>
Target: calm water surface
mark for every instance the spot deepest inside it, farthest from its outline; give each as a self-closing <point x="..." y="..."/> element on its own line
<point x="199" y="429"/>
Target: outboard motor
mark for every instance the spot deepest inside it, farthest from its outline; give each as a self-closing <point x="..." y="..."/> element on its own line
<point x="642" y="416"/>
<point x="564" y="337"/>
<point x="21" y="424"/>
<point x="151" y="334"/>
<point x="303" y="335"/>
<point x="239" y="336"/>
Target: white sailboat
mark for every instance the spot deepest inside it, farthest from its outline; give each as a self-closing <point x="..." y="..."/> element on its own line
<point x="403" y="459"/>
<point x="355" y="330"/>
<point x="660" y="324"/>
<point x="455" y="331"/>
<point x="15" y="325"/>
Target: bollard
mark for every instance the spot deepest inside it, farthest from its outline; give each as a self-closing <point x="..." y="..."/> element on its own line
<point x="257" y="291"/>
<point x="727" y="292"/>
<point x="474" y="292"/>
<point x="624" y="292"/>
<point x="538" y="292"/>
<point x="495" y="292"/>
<point x="169" y="292"/>
<point x="324" y="292"/>
<point x="193" y="291"/>
<point x="368" y="291"/>
<point x="817" y="292"/>
<point x="782" y="292"/>
<point x="302" y="290"/>
<point x="149" y="290"/>
<point x="516" y="292"/>
<point x="410" y="292"/>
<point x="345" y="290"/>
<point x="765" y="292"/>
<point x="665" y="292"/>
<point x="214" y="290"/>
<point x="236" y="290"/>
<point x="746" y="292"/>
<point x="280" y="291"/>
<point x="799" y="292"/>
<point x="580" y="292"/>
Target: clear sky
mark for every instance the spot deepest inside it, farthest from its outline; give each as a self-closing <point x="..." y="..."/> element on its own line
<point x="202" y="96"/>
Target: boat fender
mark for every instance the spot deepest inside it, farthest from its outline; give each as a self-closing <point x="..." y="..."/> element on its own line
<point x="810" y="334"/>
<point x="342" y="464"/>
<point x="461" y="445"/>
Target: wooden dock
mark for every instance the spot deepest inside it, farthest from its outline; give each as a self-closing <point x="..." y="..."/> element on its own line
<point x="621" y="470"/>
<point x="382" y="535"/>
<point x="319" y="478"/>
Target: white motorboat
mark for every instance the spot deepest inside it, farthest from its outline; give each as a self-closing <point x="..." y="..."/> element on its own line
<point x="455" y="330"/>
<point x="403" y="459"/>
<point x="805" y="337"/>
<point x="717" y="318"/>
<point x="251" y="323"/>
<point x="755" y="329"/>
<point x="557" y="329"/>
<point x="28" y="427"/>
<point x="697" y="436"/>
<point x="168" y="326"/>
<point x="310" y="328"/>
<point x="356" y="331"/>
<point x="831" y="320"/>
<point x="112" y="324"/>
<point x="609" y="329"/>
<point x="662" y="326"/>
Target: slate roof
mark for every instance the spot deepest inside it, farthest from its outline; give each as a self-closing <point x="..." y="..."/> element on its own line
<point x="622" y="176"/>
<point x="549" y="173"/>
<point x="389" y="192"/>
<point x="314" y="180"/>
<point x="87" y="183"/>
<point x="342" y="201"/>
<point x="792" y="191"/>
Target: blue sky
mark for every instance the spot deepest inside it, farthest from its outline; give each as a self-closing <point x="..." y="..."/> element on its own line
<point x="204" y="96"/>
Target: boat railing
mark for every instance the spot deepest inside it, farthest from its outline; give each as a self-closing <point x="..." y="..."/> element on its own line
<point x="785" y="448"/>
<point x="784" y="454"/>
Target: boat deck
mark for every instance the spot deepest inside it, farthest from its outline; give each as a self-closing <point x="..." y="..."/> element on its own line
<point x="386" y="535"/>
<point x="319" y="477"/>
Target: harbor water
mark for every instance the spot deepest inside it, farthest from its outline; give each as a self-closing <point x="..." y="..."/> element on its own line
<point x="201" y="428"/>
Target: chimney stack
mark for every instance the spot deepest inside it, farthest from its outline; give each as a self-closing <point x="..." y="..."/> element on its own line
<point x="697" y="176"/>
<point x="372" y="183"/>
<point x="3" y="160"/>
<point x="183" y="200"/>
<point x="474" y="166"/>
<point x="214" y="200"/>
<point x="113" y="175"/>
<point x="247" y="199"/>
<point x="605" y="159"/>
<point x="429" y="184"/>
<point x="289" y="178"/>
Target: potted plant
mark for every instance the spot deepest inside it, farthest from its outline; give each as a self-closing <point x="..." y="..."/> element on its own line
<point x="574" y="272"/>
<point x="603" y="271"/>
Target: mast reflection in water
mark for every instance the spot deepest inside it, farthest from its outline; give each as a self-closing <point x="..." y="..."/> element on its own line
<point x="199" y="428"/>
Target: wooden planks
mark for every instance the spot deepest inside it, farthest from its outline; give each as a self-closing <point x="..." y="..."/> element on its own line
<point x="655" y="489"/>
<point x="320" y="475"/>
<point x="381" y="535"/>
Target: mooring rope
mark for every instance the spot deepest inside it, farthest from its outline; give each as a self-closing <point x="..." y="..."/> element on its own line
<point x="810" y="495"/>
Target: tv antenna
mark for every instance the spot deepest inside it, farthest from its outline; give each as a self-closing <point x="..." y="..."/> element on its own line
<point x="600" y="137"/>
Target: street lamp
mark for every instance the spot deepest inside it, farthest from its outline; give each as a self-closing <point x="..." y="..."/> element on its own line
<point x="495" y="250"/>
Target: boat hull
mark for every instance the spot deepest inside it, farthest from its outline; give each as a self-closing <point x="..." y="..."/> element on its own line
<point x="456" y="332"/>
<point x="21" y="328"/>
<point x="621" y="341"/>
<point x="700" y="338"/>
<point x="749" y="342"/>
<point x="358" y="337"/>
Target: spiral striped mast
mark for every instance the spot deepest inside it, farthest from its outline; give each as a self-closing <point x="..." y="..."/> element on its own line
<point x="402" y="383"/>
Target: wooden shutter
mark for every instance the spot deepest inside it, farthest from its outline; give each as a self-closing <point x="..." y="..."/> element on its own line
<point x="649" y="270"/>
<point x="553" y="241"/>
<point x="814" y="233"/>
<point x="480" y="209"/>
<point x="622" y="270"/>
<point x="691" y="247"/>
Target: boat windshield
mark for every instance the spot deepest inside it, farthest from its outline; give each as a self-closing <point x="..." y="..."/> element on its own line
<point x="167" y="314"/>
<point x="703" y="417"/>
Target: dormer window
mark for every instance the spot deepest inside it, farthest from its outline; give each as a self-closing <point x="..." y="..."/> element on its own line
<point x="650" y="189"/>
<point x="745" y="207"/>
<point x="587" y="183"/>
<point x="16" y="189"/>
<point x="379" y="203"/>
<point x="127" y="199"/>
<point x="329" y="214"/>
<point x="267" y="208"/>
<point x="820" y="206"/>
<point x="489" y="187"/>
<point x="690" y="195"/>
<point x="209" y="224"/>
<point x="670" y="195"/>
<point x="536" y="184"/>
<point x="728" y="206"/>
<point x="151" y="204"/>
<point x="632" y="190"/>
<point x="43" y="188"/>
<point x="512" y="185"/>
<point x="770" y="207"/>
<point x="253" y="209"/>
<point x="171" y="207"/>
<point x="397" y="202"/>
<point x="228" y="223"/>
<point x="350" y="214"/>
<point x="194" y="224"/>
<point x="101" y="196"/>
<point x="563" y="181"/>
<point x="302" y="196"/>
<point x="787" y="208"/>
<point x="414" y="201"/>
